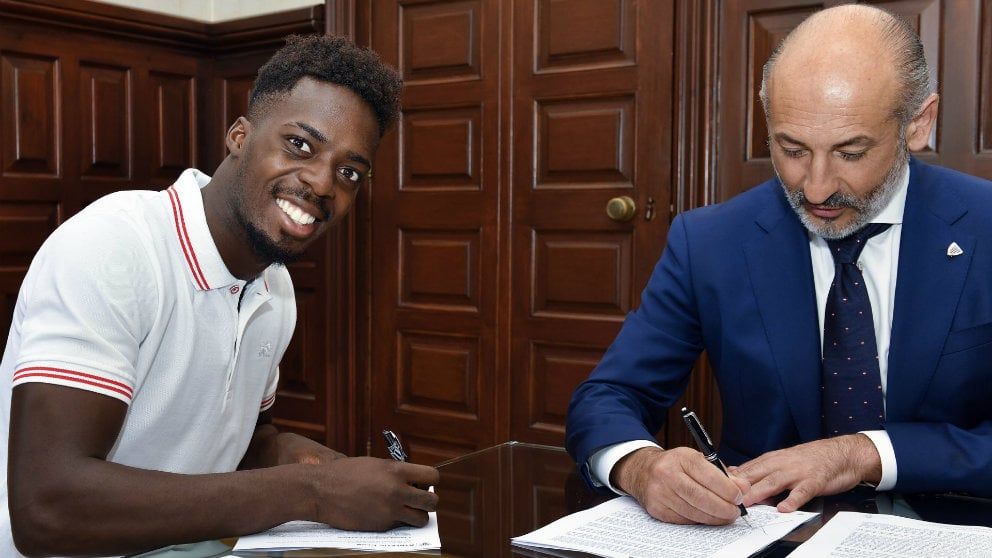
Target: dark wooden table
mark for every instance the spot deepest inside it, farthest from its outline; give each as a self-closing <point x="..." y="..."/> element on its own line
<point x="504" y="491"/>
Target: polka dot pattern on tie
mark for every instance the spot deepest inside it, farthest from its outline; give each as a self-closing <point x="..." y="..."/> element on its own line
<point x="850" y="381"/>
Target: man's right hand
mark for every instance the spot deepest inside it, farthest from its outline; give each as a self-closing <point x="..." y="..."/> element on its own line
<point x="679" y="486"/>
<point x="372" y="494"/>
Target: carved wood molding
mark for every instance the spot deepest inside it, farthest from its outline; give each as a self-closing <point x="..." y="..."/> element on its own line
<point x="252" y="33"/>
<point x="265" y="31"/>
<point x="695" y="99"/>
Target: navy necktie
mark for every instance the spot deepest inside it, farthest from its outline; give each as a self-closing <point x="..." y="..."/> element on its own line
<point x="851" y="383"/>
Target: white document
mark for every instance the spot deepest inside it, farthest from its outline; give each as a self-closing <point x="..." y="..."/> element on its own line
<point x="855" y="535"/>
<point x="306" y="534"/>
<point x="620" y="528"/>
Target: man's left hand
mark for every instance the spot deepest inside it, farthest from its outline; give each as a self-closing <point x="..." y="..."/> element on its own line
<point x="819" y="468"/>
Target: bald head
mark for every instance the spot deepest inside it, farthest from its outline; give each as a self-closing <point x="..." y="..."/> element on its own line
<point x="849" y="51"/>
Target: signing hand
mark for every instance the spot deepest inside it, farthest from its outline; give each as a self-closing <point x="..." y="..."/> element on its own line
<point x="680" y="486"/>
<point x="819" y="468"/>
<point x="372" y="494"/>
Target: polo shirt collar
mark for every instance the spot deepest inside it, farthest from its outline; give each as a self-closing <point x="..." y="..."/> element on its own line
<point x="205" y="267"/>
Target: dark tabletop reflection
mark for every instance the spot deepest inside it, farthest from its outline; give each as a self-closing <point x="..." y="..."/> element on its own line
<point x="508" y="490"/>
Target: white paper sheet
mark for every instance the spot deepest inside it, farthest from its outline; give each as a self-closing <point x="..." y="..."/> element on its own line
<point x="305" y="534"/>
<point x="856" y="535"/>
<point x="620" y="528"/>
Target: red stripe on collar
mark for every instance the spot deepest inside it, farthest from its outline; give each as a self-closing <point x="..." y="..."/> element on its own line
<point x="184" y="241"/>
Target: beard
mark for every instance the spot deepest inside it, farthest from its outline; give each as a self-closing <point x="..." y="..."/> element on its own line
<point x="266" y="248"/>
<point x="263" y="246"/>
<point x="865" y="209"/>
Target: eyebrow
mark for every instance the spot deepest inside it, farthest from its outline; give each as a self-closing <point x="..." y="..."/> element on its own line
<point x="856" y="140"/>
<point x="317" y="135"/>
<point x="352" y="156"/>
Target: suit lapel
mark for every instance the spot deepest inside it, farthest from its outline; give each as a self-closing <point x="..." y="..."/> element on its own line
<point x="928" y="289"/>
<point x="778" y="263"/>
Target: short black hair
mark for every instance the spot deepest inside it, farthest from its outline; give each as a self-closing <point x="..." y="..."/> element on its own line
<point x="329" y="59"/>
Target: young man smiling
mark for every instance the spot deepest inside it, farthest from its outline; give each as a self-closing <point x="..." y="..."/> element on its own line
<point x="143" y="356"/>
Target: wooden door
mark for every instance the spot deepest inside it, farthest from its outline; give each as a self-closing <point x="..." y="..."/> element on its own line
<point x="434" y="247"/>
<point x="592" y="119"/>
<point x="496" y="279"/>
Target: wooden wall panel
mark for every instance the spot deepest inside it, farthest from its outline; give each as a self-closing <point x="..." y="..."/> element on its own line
<point x="604" y="262"/>
<point x="433" y="375"/>
<point x="440" y="269"/>
<point x="31" y="108"/>
<point x="586" y="33"/>
<point x="172" y="123"/>
<point x="105" y="122"/>
<point x="588" y="141"/>
<point x="556" y="368"/>
<point x="438" y="375"/>
<point x="441" y="41"/>
<point x="442" y="149"/>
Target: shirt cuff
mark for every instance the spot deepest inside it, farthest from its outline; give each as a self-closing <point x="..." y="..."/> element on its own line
<point x="602" y="462"/>
<point x="888" y="454"/>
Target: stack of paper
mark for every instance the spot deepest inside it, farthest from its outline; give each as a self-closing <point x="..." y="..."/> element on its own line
<point x="620" y="528"/>
<point x="305" y="534"/>
<point x="865" y="535"/>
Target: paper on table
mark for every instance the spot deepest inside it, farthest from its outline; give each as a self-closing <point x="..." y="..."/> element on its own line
<point x="855" y="535"/>
<point x="620" y="528"/>
<point x="306" y="534"/>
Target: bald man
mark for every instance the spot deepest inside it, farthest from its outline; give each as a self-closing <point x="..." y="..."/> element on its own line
<point x="847" y="96"/>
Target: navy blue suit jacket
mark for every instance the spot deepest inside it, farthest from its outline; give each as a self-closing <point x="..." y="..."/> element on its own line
<point x="736" y="280"/>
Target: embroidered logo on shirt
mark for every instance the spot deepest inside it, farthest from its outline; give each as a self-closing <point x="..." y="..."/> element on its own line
<point x="265" y="350"/>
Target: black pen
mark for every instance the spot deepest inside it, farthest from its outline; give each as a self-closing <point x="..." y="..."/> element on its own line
<point x="394" y="446"/>
<point x="706" y="445"/>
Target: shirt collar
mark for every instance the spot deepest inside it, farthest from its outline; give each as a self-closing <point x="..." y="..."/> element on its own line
<point x="197" y="248"/>
<point x="893" y="211"/>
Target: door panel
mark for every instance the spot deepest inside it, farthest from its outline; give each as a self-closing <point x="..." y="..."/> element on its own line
<point x="497" y="279"/>
<point x="434" y="233"/>
<point x="591" y="122"/>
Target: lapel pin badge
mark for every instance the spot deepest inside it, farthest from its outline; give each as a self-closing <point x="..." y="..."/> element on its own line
<point x="954" y="250"/>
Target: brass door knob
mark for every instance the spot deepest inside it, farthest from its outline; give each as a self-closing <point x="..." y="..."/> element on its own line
<point x="621" y="209"/>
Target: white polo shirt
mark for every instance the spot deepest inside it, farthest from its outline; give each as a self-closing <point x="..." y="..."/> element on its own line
<point x="131" y="299"/>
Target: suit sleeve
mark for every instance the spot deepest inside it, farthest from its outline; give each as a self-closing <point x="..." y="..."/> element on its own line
<point x="942" y="457"/>
<point x="646" y="368"/>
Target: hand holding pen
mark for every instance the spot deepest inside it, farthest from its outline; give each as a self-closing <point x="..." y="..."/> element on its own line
<point x="395" y="449"/>
<point x="706" y="446"/>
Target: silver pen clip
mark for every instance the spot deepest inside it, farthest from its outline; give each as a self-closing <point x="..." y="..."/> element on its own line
<point x="394" y="446"/>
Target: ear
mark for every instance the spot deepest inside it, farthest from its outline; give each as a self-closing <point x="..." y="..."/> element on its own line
<point x="918" y="129"/>
<point x="236" y="135"/>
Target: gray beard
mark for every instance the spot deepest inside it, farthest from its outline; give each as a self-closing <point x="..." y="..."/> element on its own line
<point x="867" y="209"/>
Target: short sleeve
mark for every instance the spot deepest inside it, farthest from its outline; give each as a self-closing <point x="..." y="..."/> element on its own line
<point x="88" y="301"/>
<point x="270" y="391"/>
